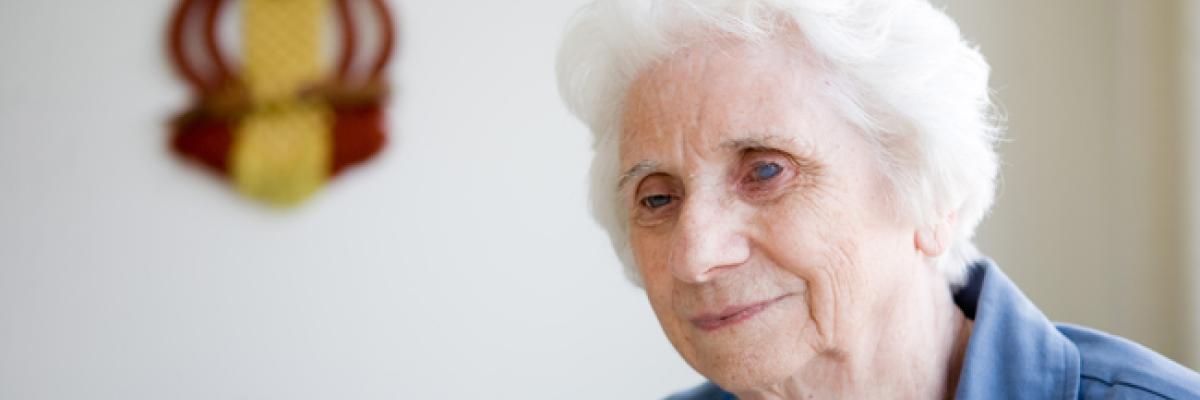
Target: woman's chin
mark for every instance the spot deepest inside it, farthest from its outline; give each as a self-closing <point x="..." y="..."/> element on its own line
<point x="755" y="354"/>
<point x="750" y="370"/>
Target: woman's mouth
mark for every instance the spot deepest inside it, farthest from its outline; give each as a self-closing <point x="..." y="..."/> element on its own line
<point x="733" y="315"/>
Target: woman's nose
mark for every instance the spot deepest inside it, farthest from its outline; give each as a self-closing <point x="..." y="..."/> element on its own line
<point x="708" y="241"/>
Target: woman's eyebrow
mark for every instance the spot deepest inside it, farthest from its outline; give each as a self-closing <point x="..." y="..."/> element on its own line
<point x="802" y="152"/>
<point x="638" y="169"/>
<point x="759" y="142"/>
<point x="644" y="167"/>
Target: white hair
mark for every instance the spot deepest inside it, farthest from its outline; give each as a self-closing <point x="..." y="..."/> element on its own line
<point x="902" y="71"/>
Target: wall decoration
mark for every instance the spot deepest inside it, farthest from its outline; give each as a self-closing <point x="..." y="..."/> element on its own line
<point x="282" y="123"/>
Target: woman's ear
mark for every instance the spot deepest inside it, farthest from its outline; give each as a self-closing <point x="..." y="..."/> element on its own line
<point x="934" y="239"/>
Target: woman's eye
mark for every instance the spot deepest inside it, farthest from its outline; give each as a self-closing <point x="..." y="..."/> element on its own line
<point x="765" y="176"/>
<point x="657" y="198"/>
<point x="656" y="201"/>
<point x="765" y="171"/>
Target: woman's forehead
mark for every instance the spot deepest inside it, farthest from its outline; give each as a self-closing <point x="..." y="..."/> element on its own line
<point x="728" y="98"/>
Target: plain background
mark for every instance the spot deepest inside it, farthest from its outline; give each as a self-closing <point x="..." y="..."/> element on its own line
<point x="462" y="263"/>
<point x="1092" y="213"/>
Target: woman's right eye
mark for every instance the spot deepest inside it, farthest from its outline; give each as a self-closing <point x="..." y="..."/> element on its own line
<point x="657" y="197"/>
<point x="656" y="201"/>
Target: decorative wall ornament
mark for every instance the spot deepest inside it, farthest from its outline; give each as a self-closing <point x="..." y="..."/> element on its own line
<point x="282" y="124"/>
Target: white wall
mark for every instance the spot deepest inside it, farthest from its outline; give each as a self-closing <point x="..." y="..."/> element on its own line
<point x="1090" y="219"/>
<point x="460" y="264"/>
<point x="1190" y="65"/>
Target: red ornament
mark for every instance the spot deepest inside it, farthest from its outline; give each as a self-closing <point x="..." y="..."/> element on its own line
<point x="356" y="94"/>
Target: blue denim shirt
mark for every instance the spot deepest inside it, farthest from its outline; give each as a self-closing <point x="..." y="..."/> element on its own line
<point x="1016" y="353"/>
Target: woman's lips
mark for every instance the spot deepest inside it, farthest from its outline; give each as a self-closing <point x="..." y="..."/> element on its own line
<point x="733" y="315"/>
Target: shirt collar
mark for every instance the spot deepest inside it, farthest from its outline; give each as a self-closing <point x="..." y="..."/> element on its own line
<point x="1014" y="351"/>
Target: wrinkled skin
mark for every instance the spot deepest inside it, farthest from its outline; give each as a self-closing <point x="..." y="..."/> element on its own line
<point x="768" y="237"/>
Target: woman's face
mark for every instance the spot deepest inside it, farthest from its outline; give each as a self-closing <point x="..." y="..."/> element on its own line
<point x="763" y="227"/>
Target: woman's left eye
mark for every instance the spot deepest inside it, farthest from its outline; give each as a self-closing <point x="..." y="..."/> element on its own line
<point x="765" y="176"/>
<point x="765" y="171"/>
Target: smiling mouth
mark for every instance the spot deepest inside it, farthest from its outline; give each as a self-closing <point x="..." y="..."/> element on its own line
<point x="733" y="315"/>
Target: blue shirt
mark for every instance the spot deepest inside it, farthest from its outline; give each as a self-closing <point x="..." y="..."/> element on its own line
<point x="1016" y="353"/>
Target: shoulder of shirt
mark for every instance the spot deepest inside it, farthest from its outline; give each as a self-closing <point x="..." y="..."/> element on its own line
<point x="706" y="391"/>
<point x="1117" y="366"/>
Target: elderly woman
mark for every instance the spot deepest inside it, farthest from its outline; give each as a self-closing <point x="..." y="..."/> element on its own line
<point x="796" y="185"/>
